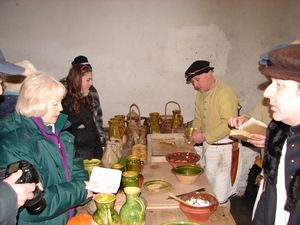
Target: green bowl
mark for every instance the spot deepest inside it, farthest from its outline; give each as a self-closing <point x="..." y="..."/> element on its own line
<point x="187" y="174"/>
<point x="187" y="170"/>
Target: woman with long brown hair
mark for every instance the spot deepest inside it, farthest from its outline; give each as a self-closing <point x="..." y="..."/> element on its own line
<point x="78" y="105"/>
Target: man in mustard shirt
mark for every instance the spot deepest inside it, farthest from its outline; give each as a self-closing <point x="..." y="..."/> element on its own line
<point x="215" y="103"/>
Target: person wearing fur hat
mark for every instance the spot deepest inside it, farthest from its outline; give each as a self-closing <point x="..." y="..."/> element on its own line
<point x="215" y="103"/>
<point x="278" y="201"/>
<point x="12" y="85"/>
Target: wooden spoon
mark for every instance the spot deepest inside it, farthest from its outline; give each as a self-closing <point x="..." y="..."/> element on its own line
<point x="180" y="200"/>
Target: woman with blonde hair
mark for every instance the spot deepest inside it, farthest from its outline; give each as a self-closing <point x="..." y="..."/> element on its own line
<point x="37" y="132"/>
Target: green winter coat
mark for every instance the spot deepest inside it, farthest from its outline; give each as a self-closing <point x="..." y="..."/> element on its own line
<point x="20" y="139"/>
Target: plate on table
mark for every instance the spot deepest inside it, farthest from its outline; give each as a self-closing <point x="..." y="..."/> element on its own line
<point x="157" y="185"/>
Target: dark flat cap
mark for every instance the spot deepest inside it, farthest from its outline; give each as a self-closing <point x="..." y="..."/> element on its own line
<point x="197" y="68"/>
<point x="284" y="63"/>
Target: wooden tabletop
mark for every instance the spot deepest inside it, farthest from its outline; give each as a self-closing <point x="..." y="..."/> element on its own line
<point x="160" y="210"/>
<point x="221" y="216"/>
<point x="162" y="171"/>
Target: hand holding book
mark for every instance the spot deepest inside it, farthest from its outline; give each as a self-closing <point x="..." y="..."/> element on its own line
<point x="252" y="126"/>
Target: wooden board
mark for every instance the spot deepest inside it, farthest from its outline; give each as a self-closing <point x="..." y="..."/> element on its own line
<point x="221" y="216"/>
<point x="160" y="210"/>
<point x="162" y="170"/>
<point x="159" y="145"/>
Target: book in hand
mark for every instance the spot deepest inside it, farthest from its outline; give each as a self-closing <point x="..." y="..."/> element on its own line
<point x="252" y="126"/>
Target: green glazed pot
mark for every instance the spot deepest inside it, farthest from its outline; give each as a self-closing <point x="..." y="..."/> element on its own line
<point x="90" y="164"/>
<point x="133" y="210"/>
<point x="105" y="213"/>
<point x="130" y="179"/>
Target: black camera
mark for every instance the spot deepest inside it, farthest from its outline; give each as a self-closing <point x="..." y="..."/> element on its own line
<point x="37" y="204"/>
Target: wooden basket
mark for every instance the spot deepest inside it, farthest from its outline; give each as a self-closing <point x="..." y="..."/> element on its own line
<point x="136" y="132"/>
<point x="137" y="118"/>
<point x="166" y="120"/>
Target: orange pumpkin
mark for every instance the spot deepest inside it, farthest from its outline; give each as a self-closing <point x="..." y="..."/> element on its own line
<point x="81" y="219"/>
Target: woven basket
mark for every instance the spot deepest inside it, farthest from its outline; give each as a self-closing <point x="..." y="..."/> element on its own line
<point x="166" y="120"/>
<point x="136" y="132"/>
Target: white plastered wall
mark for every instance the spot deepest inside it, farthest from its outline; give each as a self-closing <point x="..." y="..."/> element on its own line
<point x="140" y="49"/>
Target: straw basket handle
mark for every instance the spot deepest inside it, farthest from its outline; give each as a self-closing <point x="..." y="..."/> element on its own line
<point x="138" y="109"/>
<point x="167" y="106"/>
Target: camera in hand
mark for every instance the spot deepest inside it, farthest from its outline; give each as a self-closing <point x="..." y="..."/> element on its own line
<point x="37" y="204"/>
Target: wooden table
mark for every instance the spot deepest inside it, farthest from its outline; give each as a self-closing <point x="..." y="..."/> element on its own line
<point x="159" y="145"/>
<point x="159" y="210"/>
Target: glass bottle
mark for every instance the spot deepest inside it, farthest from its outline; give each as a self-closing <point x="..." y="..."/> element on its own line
<point x="133" y="210"/>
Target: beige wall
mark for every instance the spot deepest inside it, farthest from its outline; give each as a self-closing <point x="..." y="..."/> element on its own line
<point x="140" y="49"/>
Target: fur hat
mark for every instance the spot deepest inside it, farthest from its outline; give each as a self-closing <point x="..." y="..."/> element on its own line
<point x="264" y="58"/>
<point x="28" y="66"/>
<point x="284" y="63"/>
<point x="197" y="68"/>
<point x="13" y="83"/>
<point x="9" y="68"/>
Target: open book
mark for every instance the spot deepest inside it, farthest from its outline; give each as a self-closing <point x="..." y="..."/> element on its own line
<point x="252" y="126"/>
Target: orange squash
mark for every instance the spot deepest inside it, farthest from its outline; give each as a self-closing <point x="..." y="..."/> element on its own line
<point x="81" y="219"/>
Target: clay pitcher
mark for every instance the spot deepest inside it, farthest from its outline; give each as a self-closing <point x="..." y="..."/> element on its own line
<point x="133" y="211"/>
<point x="114" y="130"/>
<point x="105" y="213"/>
<point x="177" y="120"/>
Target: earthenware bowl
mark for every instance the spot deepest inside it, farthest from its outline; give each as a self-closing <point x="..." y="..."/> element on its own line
<point x="182" y="158"/>
<point x="187" y="174"/>
<point x="199" y="213"/>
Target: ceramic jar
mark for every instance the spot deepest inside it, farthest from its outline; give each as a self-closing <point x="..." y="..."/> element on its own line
<point x="122" y="126"/>
<point x="118" y="166"/>
<point x="140" y="151"/>
<point x="105" y="213"/>
<point x="130" y="179"/>
<point x="134" y="163"/>
<point x="115" y="129"/>
<point x="154" y="122"/>
<point x="90" y="164"/>
<point x="177" y="120"/>
<point x="133" y="210"/>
